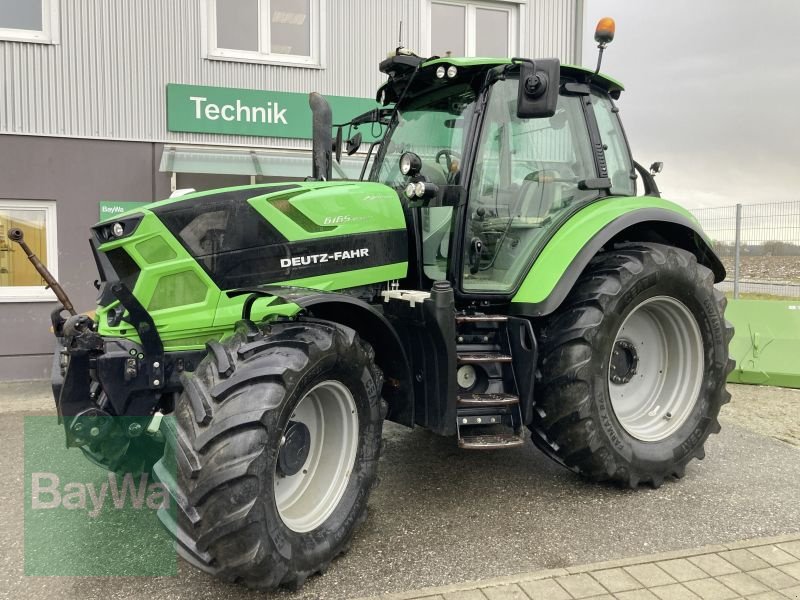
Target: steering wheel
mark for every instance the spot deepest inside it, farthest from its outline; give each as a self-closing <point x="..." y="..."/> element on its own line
<point x="451" y="166"/>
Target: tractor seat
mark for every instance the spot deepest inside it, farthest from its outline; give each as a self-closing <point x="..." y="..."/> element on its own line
<point x="538" y="195"/>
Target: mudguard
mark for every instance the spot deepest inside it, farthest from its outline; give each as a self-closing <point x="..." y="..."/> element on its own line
<point x="370" y="324"/>
<point x="568" y="252"/>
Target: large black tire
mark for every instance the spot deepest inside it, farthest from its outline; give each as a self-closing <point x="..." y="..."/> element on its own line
<point x="574" y="419"/>
<point x="224" y="441"/>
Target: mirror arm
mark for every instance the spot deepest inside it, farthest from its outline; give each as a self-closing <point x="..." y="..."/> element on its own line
<point x="650" y="185"/>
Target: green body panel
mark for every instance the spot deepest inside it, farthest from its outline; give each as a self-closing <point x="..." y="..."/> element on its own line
<point x="313" y="210"/>
<point x="557" y="255"/>
<point x="766" y="343"/>
<point x="467" y="61"/>
<point x="367" y="206"/>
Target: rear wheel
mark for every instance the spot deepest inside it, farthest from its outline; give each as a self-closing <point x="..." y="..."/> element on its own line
<point x="274" y="450"/>
<point x="633" y="367"/>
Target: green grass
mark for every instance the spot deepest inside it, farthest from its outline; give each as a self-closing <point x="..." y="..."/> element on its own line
<point x="758" y="296"/>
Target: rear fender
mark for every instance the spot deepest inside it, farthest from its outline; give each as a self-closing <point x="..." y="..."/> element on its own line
<point x="597" y="227"/>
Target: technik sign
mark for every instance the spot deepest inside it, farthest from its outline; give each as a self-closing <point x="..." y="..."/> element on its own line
<point x="232" y="111"/>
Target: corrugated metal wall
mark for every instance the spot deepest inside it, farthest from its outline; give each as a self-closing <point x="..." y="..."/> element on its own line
<point x="107" y="77"/>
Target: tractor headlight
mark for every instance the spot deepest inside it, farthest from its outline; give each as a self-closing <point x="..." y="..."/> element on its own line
<point x="410" y="164"/>
<point x="118" y="229"/>
<point x="419" y="189"/>
<point x="452" y="71"/>
<point x="410" y="190"/>
<point x="440" y="72"/>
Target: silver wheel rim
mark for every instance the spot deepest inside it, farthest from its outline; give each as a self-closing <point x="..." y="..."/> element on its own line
<point x="306" y="499"/>
<point x="663" y="366"/>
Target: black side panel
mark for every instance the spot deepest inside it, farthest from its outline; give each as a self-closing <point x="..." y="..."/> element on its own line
<point x="238" y="247"/>
<point x="525" y="357"/>
<point x="216" y="226"/>
<point x="428" y="333"/>
<point x="294" y="260"/>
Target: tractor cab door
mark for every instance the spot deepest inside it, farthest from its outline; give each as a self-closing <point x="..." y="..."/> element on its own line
<point x="525" y="178"/>
<point x="435" y="127"/>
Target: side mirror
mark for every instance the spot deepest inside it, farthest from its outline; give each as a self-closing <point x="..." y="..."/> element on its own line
<point x="538" y="87"/>
<point x="354" y="143"/>
<point x="656" y="168"/>
<point x="337" y="145"/>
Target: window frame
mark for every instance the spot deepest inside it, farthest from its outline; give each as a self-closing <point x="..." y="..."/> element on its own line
<point x="263" y="55"/>
<point x="601" y="96"/>
<point x="35" y="293"/>
<point x="49" y="33"/>
<point x="512" y="8"/>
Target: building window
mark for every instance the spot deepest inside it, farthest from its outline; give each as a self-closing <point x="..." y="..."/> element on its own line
<point x="19" y="281"/>
<point x="29" y="21"/>
<point x="473" y="29"/>
<point x="270" y="31"/>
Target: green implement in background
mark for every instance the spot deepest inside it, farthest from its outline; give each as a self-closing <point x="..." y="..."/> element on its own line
<point x="766" y="346"/>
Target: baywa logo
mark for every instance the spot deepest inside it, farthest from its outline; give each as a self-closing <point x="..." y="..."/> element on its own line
<point x="83" y="519"/>
<point x="47" y="493"/>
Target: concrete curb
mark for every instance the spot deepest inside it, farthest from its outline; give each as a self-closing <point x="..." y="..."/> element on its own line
<point x="598" y="566"/>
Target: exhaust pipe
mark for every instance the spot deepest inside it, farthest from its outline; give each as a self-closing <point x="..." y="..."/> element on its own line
<point x="321" y="154"/>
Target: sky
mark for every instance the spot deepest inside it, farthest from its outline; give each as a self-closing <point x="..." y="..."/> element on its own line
<point x="712" y="89"/>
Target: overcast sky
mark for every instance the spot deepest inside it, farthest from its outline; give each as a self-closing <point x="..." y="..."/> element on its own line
<point x="713" y="90"/>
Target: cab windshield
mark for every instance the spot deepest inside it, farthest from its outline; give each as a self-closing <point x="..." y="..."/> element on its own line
<point x="433" y="127"/>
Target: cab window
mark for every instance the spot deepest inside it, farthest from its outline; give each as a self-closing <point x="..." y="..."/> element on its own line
<point x="618" y="159"/>
<point x="525" y="178"/>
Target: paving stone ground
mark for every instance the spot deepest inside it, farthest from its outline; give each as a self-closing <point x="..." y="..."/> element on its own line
<point x="762" y="569"/>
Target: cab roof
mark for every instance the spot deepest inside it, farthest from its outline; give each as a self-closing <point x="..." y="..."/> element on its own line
<point x="400" y="67"/>
<point x="604" y="81"/>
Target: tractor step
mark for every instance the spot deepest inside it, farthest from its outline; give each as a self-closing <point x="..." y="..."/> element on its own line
<point x="487" y="400"/>
<point x="481" y="318"/>
<point x="491" y="441"/>
<point x="471" y="358"/>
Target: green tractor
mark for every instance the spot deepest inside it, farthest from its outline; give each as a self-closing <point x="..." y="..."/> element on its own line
<point x="492" y="273"/>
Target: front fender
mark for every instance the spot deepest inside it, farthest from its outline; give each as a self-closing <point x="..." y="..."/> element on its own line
<point x="370" y="324"/>
<point x="568" y="252"/>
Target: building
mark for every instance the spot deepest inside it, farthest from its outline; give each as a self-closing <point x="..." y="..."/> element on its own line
<point x="106" y="102"/>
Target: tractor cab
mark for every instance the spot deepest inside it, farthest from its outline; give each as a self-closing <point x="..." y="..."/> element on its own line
<point x="491" y="157"/>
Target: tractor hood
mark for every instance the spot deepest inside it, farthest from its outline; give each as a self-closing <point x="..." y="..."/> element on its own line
<point x="182" y="254"/>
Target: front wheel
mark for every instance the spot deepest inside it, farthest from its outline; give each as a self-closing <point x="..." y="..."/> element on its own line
<point x="274" y="452"/>
<point x="633" y="367"/>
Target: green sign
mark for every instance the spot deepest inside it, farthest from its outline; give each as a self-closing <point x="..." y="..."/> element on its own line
<point x="203" y="109"/>
<point x="110" y="209"/>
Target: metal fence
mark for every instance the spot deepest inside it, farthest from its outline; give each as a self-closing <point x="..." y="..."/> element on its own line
<point x="759" y="245"/>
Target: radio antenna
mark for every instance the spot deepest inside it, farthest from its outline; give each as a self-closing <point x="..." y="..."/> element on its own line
<point x="400" y="35"/>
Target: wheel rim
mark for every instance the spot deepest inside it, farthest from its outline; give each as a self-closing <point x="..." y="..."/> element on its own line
<point x="656" y="368"/>
<point x="307" y="498"/>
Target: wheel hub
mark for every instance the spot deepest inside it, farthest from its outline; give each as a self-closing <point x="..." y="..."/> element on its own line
<point x="655" y="368"/>
<point x="317" y="456"/>
<point x="295" y="447"/>
<point x="624" y="362"/>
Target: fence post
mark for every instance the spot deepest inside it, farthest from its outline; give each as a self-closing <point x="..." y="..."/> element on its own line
<point x="737" y="251"/>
